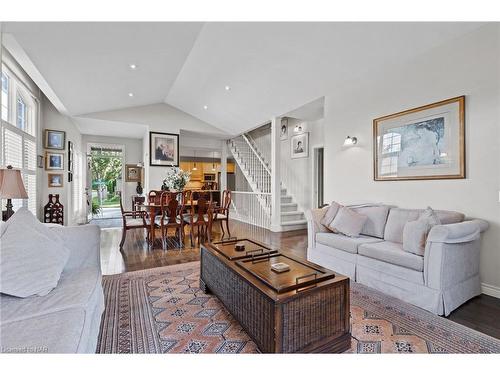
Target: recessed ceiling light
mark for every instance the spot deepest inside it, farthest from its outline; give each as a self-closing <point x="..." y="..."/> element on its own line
<point x="227" y="88"/>
<point x="133" y="66"/>
<point x="131" y="94"/>
<point x="205" y="107"/>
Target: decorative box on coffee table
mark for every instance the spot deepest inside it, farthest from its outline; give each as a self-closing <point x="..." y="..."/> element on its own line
<point x="304" y="309"/>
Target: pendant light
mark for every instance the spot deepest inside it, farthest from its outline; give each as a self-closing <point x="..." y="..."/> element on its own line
<point x="194" y="166"/>
<point x="213" y="161"/>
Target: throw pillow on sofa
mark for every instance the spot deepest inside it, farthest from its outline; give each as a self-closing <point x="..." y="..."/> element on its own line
<point x="415" y="232"/>
<point x="348" y="222"/>
<point x="330" y="214"/>
<point x="32" y="257"/>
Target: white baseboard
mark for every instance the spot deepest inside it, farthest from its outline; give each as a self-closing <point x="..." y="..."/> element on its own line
<point x="490" y="290"/>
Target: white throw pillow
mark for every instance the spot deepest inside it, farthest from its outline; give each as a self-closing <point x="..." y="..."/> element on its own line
<point x="32" y="257"/>
<point x="330" y="214"/>
<point x="415" y="232"/>
<point x="348" y="222"/>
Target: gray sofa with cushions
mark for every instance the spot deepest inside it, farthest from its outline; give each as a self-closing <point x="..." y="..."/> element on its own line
<point x="67" y="319"/>
<point x="446" y="276"/>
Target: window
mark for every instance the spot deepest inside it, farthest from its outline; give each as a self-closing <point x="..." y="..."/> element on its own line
<point x="21" y="113"/>
<point x="5" y="97"/>
<point x="18" y="134"/>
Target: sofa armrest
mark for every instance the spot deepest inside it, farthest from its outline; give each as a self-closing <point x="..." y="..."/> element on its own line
<point x="84" y="243"/>
<point x="452" y="253"/>
<point x="456" y="233"/>
<point x="314" y="226"/>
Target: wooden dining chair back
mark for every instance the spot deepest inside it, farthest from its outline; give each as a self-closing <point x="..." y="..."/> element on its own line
<point x="131" y="220"/>
<point x="221" y="213"/>
<point x="171" y="219"/>
<point x="198" y="220"/>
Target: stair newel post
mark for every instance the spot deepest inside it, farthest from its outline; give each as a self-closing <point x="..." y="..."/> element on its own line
<point x="275" y="175"/>
<point x="223" y="167"/>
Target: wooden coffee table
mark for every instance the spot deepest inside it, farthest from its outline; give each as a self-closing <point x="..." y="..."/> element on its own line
<point x="305" y="309"/>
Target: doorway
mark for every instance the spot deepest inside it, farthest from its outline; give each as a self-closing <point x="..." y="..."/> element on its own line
<point x="318" y="178"/>
<point x="104" y="183"/>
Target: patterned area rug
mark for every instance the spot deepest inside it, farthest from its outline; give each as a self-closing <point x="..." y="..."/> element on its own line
<point x="162" y="310"/>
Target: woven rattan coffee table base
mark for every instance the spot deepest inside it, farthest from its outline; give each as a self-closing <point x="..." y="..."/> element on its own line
<point x="311" y="319"/>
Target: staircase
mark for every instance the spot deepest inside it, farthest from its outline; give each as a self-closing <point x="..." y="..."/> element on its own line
<point x="257" y="172"/>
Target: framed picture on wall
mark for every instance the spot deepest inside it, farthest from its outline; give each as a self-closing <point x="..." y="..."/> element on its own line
<point x="284" y="129"/>
<point x="133" y="173"/>
<point x="54" y="139"/>
<point x="299" y="146"/>
<point x="54" y="160"/>
<point x="70" y="156"/>
<point x="423" y="143"/>
<point x="163" y="149"/>
<point x="55" y="180"/>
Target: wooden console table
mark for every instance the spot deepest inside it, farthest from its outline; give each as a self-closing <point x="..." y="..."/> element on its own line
<point x="303" y="310"/>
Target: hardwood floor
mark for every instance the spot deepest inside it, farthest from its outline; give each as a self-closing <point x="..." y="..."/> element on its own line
<point x="481" y="313"/>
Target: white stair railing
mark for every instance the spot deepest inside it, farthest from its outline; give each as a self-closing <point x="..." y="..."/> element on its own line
<point x="247" y="206"/>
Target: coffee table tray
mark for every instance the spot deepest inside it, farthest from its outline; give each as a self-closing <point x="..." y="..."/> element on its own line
<point x="252" y="249"/>
<point x="300" y="275"/>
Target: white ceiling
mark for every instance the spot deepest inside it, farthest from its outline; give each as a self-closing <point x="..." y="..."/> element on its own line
<point x="87" y="63"/>
<point x="272" y="68"/>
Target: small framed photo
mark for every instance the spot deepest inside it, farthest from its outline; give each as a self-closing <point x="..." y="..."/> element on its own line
<point x="55" y="139"/>
<point x="54" y="160"/>
<point x="56" y="180"/>
<point x="163" y="149"/>
<point x="133" y="173"/>
<point x="284" y="129"/>
<point x="299" y="146"/>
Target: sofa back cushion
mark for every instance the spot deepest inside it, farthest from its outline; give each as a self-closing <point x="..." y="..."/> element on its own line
<point x="376" y="219"/>
<point x="398" y="217"/>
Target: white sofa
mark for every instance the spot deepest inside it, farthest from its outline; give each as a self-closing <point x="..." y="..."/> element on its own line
<point x="66" y="320"/>
<point x="440" y="281"/>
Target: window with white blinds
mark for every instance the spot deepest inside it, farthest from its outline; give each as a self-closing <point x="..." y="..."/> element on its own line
<point x="18" y="134"/>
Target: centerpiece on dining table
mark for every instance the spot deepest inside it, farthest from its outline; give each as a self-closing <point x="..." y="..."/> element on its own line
<point x="176" y="179"/>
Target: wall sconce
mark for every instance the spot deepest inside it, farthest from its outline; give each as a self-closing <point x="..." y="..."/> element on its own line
<point x="350" y="141"/>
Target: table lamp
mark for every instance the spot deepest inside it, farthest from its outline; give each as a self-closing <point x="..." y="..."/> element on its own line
<point x="11" y="187"/>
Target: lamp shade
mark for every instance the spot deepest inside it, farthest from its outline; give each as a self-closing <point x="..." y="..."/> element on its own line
<point x="11" y="184"/>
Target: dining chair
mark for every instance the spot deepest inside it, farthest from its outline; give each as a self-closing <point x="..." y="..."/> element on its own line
<point x="132" y="220"/>
<point x="221" y="213"/>
<point x="198" y="219"/>
<point x="170" y="219"/>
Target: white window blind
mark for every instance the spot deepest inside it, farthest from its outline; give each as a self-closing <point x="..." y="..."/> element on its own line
<point x="18" y="134"/>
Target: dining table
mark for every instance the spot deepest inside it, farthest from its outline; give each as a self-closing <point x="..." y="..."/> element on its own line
<point x="152" y="209"/>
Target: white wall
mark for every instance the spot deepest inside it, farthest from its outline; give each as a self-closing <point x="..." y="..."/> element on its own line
<point x="297" y="174"/>
<point x="162" y="118"/>
<point x="71" y="194"/>
<point x="466" y="66"/>
<point x="132" y="155"/>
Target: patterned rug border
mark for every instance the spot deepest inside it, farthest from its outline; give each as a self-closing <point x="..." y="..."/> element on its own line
<point x="444" y="333"/>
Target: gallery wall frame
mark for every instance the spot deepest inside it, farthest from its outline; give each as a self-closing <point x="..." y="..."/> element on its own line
<point x="423" y="143"/>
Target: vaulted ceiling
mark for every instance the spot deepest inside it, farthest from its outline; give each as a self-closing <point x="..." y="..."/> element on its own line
<point x="270" y="68"/>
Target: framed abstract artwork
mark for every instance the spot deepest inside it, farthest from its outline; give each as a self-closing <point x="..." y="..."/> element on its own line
<point x="54" y="139"/>
<point x="299" y="146"/>
<point x="163" y="149"/>
<point x="424" y="143"/>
